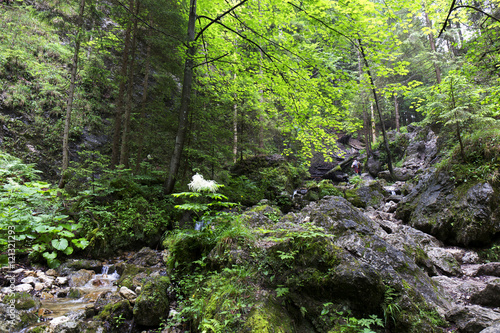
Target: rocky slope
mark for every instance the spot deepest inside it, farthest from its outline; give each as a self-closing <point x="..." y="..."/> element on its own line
<point x="374" y="258"/>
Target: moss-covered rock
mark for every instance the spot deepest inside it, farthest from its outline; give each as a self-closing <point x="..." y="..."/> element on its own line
<point x="133" y="276"/>
<point x="153" y="303"/>
<point x="370" y="195"/>
<point x="22" y="301"/>
<point x="268" y="317"/>
<point x="18" y="310"/>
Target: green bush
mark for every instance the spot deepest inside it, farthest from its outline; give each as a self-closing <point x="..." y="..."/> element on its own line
<point x="482" y="157"/>
<point x="32" y="210"/>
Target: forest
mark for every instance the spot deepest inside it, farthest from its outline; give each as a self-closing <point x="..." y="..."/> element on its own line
<point x="195" y="130"/>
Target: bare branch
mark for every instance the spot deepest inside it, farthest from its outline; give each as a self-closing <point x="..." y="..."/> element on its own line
<point x="216" y="20"/>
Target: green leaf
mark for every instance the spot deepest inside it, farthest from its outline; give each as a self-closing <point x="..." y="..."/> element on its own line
<point x="68" y="250"/>
<point x="80" y="243"/>
<point x="60" y="244"/>
<point x="65" y="233"/>
<point x="49" y="255"/>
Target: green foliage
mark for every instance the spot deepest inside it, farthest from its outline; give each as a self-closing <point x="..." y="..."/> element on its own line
<point x="33" y="209"/>
<point x="260" y="181"/>
<point x="116" y="208"/>
<point x="390" y="306"/>
<point x="492" y="254"/>
<point x="214" y="301"/>
<point x="355" y="180"/>
<point x="479" y="161"/>
<point x="345" y="322"/>
<point x="203" y="198"/>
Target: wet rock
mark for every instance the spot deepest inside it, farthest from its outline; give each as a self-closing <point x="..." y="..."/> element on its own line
<point x="145" y="257"/>
<point x="106" y="298"/>
<point x="133" y="275"/>
<point x="61" y="280"/>
<point x="472" y="318"/>
<point x="371" y="195"/>
<point x="152" y="305"/>
<point x="80" y="278"/>
<point x="77" y="264"/>
<point x="63" y="325"/>
<point x="30" y="279"/>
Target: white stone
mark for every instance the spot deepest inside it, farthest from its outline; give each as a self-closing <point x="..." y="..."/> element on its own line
<point x="30" y="279"/>
<point x="7" y="290"/>
<point x="18" y="271"/>
<point x="61" y="280"/>
<point x="127" y="293"/>
<point x="23" y="287"/>
<point x="39" y="286"/>
<point x="58" y="320"/>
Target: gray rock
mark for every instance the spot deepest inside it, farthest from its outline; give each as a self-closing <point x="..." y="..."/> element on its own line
<point x="472" y="318"/>
<point x="80" y="278"/>
<point x="24" y="287"/>
<point x="464" y="215"/>
<point x="145" y="257"/>
<point x="444" y="261"/>
<point x="128" y="294"/>
<point x="491" y="269"/>
<point x="495" y="328"/>
<point x="489" y="296"/>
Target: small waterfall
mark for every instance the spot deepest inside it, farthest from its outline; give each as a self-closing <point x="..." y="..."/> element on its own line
<point x="393" y="192"/>
<point x="104" y="271"/>
<point x="293" y="195"/>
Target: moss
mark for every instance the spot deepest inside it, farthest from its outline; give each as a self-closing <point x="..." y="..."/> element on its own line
<point x="133" y="276"/>
<point x="23" y="301"/>
<point x="152" y="305"/>
<point x="74" y="293"/>
<point x="352" y="196"/>
<point x="115" y="309"/>
<point x="269" y="317"/>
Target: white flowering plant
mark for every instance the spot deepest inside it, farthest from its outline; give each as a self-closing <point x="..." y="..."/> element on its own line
<point x="203" y="196"/>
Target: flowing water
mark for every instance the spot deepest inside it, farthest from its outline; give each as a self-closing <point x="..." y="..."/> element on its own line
<point x="88" y="294"/>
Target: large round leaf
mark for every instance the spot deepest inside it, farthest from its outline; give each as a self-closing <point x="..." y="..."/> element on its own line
<point x="60" y="244"/>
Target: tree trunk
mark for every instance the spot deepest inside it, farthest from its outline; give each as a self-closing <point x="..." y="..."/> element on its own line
<point x="433" y="48"/>
<point x="142" y="117"/>
<point x="185" y="101"/>
<point x="235" y="127"/>
<point x="396" y="112"/>
<point x="124" y="151"/>
<point x="372" y="123"/>
<point x="384" y="134"/>
<point x="115" y="149"/>
<point x="71" y="93"/>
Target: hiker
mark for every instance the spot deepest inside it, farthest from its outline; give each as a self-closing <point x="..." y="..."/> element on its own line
<point x="357" y="167"/>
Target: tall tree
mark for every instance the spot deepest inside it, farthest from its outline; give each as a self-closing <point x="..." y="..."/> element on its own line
<point x="124" y="151"/>
<point x="122" y="78"/>
<point x="187" y="83"/>
<point x="71" y="92"/>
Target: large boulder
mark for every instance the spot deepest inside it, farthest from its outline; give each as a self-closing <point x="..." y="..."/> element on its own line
<point x="152" y="305"/>
<point x="330" y="252"/>
<point x="465" y="215"/>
